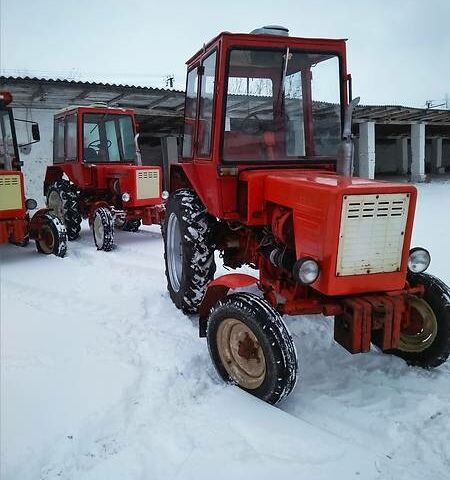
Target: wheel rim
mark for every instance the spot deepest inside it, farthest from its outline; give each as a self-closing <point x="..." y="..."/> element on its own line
<point x="99" y="230"/>
<point x="56" y="204"/>
<point x="241" y="354"/>
<point x="47" y="240"/>
<point x="174" y="253"/>
<point x="422" y="330"/>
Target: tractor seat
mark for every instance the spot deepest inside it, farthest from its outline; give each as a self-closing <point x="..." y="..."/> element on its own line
<point x="240" y="146"/>
<point x="89" y="154"/>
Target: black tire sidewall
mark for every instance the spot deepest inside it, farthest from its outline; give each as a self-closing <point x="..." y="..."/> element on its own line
<point x="279" y="350"/>
<point x="437" y="295"/>
<point x="187" y="298"/>
<point x="69" y="198"/>
<point x="107" y="220"/>
<point x="59" y="244"/>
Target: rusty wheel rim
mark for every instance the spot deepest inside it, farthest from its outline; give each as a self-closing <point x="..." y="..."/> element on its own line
<point x="47" y="240"/>
<point x="241" y="354"/>
<point x="423" y="329"/>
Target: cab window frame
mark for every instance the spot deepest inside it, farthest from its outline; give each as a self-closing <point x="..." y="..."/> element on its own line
<point x="206" y="155"/>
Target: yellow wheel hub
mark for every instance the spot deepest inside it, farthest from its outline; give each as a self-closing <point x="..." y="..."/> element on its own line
<point x="422" y="330"/>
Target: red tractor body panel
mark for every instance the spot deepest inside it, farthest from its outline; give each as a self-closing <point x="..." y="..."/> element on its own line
<point x="316" y="200"/>
<point x="14" y="219"/>
<point x="12" y="204"/>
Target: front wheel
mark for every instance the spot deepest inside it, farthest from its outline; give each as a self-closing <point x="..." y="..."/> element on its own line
<point x="251" y="346"/>
<point x="425" y="342"/>
<point x="52" y="236"/>
<point x="103" y="229"/>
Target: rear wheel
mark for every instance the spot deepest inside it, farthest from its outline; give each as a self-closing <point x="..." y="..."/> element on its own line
<point x="425" y="342"/>
<point x="52" y="236"/>
<point x="188" y="249"/>
<point x="251" y="346"/>
<point x="62" y="198"/>
<point x="103" y="229"/>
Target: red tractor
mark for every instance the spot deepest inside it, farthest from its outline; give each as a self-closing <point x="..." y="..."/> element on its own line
<point x="265" y="180"/>
<point x="15" y="224"/>
<point x="97" y="174"/>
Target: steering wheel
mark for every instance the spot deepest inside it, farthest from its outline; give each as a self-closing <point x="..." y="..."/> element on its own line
<point x="97" y="144"/>
<point x="251" y="128"/>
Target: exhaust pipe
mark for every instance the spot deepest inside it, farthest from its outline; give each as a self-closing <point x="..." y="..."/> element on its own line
<point x="346" y="151"/>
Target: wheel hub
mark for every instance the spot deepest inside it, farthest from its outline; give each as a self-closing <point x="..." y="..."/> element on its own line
<point x="422" y="328"/>
<point x="56" y="204"/>
<point x="99" y="230"/>
<point x="241" y="354"/>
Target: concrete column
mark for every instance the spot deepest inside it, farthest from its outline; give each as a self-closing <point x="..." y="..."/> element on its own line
<point x="436" y="155"/>
<point x="418" y="152"/>
<point x="367" y="149"/>
<point x="402" y="155"/>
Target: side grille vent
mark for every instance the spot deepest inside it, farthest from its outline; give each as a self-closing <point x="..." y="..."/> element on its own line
<point x="9" y="181"/>
<point x="380" y="208"/>
<point x="144" y="174"/>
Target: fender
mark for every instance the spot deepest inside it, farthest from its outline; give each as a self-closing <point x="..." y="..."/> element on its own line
<point x="217" y="289"/>
<point x="52" y="174"/>
<point x="37" y="222"/>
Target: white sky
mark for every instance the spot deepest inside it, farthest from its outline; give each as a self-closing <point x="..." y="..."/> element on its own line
<point x="398" y="50"/>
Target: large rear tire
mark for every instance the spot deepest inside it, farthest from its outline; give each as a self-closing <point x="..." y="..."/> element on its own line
<point x="188" y="233"/>
<point x="52" y="237"/>
<point x="251" y="347"/>
<point x="62" y="198"/>
<point x="426" y="341"/>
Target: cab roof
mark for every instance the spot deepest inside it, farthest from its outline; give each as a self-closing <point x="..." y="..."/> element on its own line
<point x="268" y="40"/>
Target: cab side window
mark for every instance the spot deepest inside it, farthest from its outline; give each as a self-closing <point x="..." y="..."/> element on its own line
<point x="190" y="114"/>
<point x="71" y="137"/>
<point x="206" y="105"/>
<point x="58" y="141"/>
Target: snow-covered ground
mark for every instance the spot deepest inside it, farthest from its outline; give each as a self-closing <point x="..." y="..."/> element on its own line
<point x="102" y="378"/>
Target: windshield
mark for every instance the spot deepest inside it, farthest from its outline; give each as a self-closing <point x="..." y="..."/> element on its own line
<point x="7" y="147"/>
<point x="108" y="138"/>
<point x="281" y="105"/>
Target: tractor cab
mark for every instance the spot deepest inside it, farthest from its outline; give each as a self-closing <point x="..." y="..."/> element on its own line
<point x="261" y="100"/>
<point x="95" y="134"/>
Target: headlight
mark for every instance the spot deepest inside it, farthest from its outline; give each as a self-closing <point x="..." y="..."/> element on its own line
<point x="30" y="203"/>
<point x="165" y="195"/>
<point x="306" y="270"/>
<point x="126" y="197"/>
<point x="419" y="260"/>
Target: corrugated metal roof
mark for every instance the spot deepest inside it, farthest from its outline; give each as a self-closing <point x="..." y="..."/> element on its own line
<point x="54" y="94"/>
<point x="10" y="78"/>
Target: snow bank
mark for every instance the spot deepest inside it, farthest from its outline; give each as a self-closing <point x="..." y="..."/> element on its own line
<point x="102" y="378"/>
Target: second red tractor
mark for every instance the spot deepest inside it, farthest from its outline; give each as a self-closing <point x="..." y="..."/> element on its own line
<point x="97" y="174"/>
